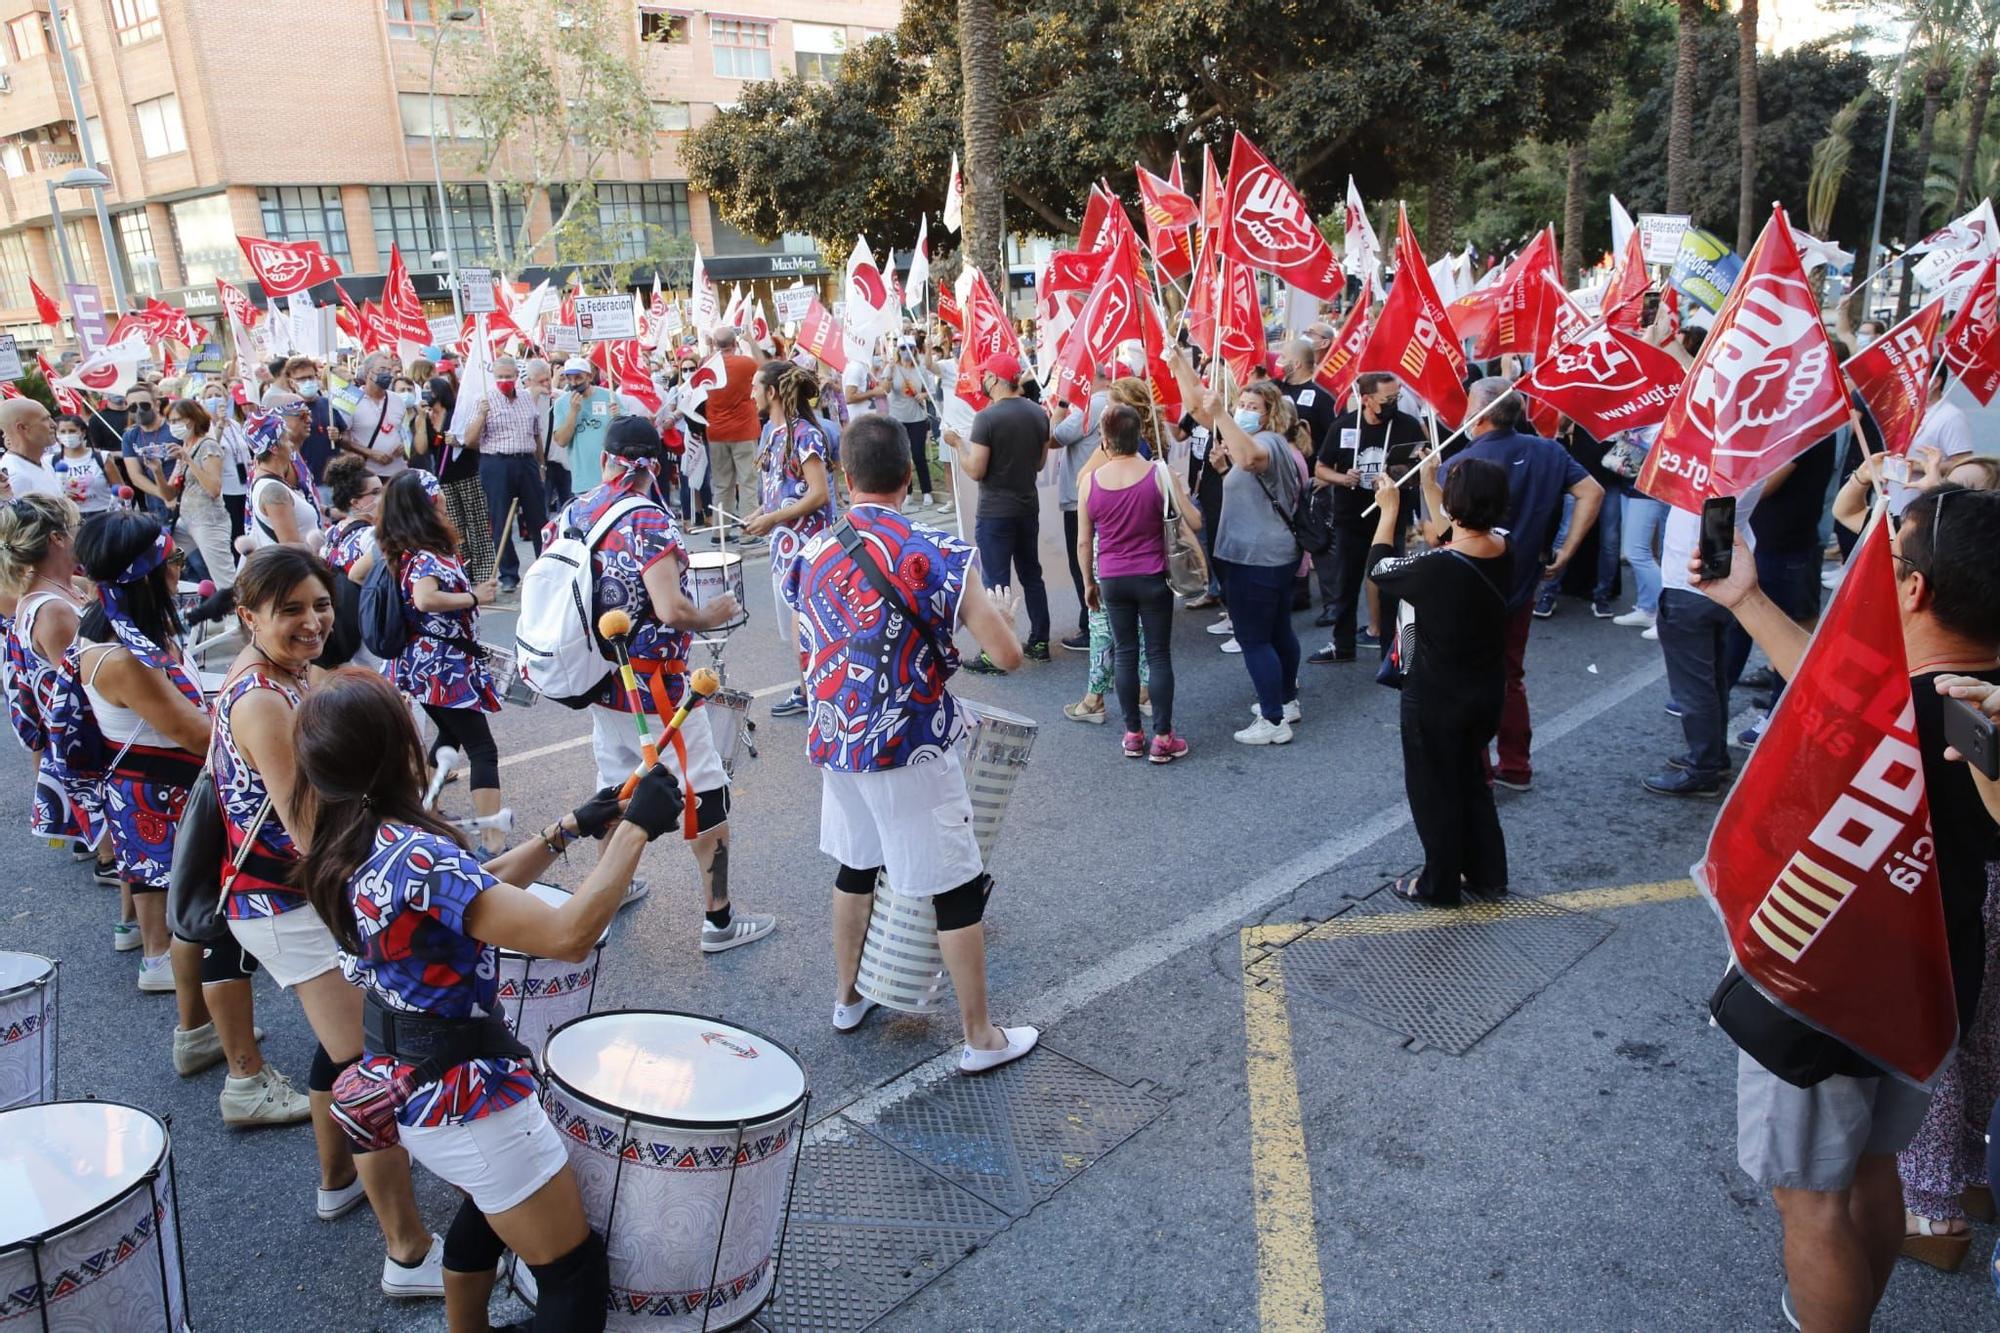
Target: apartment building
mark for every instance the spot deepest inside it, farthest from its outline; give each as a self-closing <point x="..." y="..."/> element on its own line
<point x="318" y="119"/>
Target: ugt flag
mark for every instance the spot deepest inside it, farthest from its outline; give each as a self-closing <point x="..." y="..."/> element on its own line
<point x="286" y="267"/>
<point x="1604" y="380"/>
<point x="1972" y="342"/>
<point x="1413" y="338"/>
<point x="1266" y="225"/>
<point x="1822" y="864"/>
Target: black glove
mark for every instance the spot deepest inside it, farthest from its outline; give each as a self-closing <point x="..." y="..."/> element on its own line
<point x="656" y="802"/>
<point x="597" y="814"/>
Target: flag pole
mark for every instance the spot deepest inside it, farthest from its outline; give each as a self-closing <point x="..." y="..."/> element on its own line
<point x="1437" y="446"/>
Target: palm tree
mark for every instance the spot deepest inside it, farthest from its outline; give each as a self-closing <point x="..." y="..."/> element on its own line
<point x="1746" y="126"/>
<point x="1680" y="128"/>
<point x="1830" y="158"/>
<point x="1986" y="20"/>
<point x="1573" y="209"/>
<point x="1937" y="42"/>
<point x="979" y="57"/>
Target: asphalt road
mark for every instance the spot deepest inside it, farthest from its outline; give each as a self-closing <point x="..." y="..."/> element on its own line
<point x="1575" y="1169"/>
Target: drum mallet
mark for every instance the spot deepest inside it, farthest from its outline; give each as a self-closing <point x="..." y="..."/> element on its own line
<point x="614" y="625"/>
<point x="702" y="684"/>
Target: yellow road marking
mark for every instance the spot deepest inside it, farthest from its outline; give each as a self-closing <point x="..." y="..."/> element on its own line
<point x="1290" y="1293"/>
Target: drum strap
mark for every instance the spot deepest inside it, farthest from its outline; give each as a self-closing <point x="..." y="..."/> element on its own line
<point x="434" y="1045"/>
<point x="656" y="683"/>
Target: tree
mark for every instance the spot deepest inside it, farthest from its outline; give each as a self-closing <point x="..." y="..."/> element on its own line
<point x="1747" y="211"/>
<point x="981" y="69"/>
<point x="1830" y="158"/>
<point x="1937" y="51"/>
<point x="1986" y="29"/>
<point x="1577" y="153"/>
<point x="1680" y="130"/>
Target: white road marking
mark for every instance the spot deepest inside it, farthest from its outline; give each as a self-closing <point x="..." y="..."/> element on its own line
<point x="574" y="742"/>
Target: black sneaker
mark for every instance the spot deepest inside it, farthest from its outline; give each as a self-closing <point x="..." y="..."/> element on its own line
<point x="1078" y="642"/>
<point x="1038" y="651"/>
<point x="1324" y="619"/>
<point x="1763" y="678"/>
<point x="1684" y="782"/>
<point x="1328" y="656"/>
<point x="1543" y="610"/>
<point x="510" y="585"/>
<point x="983" y="665"/>
<point x="1603" y="610"/>
<point x="1367" y="640"/>
<point x="791" y="705"/>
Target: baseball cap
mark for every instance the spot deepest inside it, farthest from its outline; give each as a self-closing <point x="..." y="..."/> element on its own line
<point x="576" y="365"/>
<point x="633" y="437"/>
<point x="1001" y="365"/>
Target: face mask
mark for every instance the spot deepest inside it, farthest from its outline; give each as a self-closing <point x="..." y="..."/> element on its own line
<point x="178" y="429"/>
<point x="384" y="381"/>
<point x="213" y="406"/>
<point x="507" y="387"/>
<point x="307" y="388"/>
<point x="70" y="439"/>
<point x="146" y="414"/>
<point x="1861" y="341"/>
<point x="1248" y="418"/>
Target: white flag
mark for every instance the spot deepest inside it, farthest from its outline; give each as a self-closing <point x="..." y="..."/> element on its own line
<point x="1621" y="226"/>
<point x="112" y="369"/>
<point x="1953" y="253"/>
<point x="1361" y="252"/>
<point x="707" y="301"/>
<point x="920" y="267"/>
<point x="954" y="200"/>
<point x="868" y="312"/>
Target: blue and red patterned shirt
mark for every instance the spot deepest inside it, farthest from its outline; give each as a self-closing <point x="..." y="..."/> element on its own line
<point x="242" y="789"/>
<point x="410" y="898"/>
<point x="348" y="542"/>
<point x="781" y="476"/>
<point x="635" y="543"/>
<point x="441" y="664"/>
<point x="875" y="688"/>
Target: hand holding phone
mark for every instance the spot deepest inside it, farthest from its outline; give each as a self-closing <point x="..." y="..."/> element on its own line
<point x="1974" y="735"/>
<point x="1718" y="537"/>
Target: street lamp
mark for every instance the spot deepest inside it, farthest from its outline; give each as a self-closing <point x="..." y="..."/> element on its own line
<point x="459" y="14"/>
<point x="86" y="177"/>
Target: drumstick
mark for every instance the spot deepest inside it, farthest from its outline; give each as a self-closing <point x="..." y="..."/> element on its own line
<point x="507" y="528"/>
<point x="702" y="684"/>
<point x="614" y="625"/>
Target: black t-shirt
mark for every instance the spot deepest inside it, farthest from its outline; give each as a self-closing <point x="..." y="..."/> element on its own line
<point x="107" y="428"/>
<point x="1391" y="443"/>
<point x="1966" y="840"/>
<point x="1462" y="614"/>
<point x="1589" y="451"/>
<point x="1016" y="432"/>
<point x="1786" y="521"/>
<point x="1316" y="407"/>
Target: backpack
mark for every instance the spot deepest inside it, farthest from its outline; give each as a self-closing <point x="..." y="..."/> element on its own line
<point x="555" y="635"/>
<point x="384" y="627"/>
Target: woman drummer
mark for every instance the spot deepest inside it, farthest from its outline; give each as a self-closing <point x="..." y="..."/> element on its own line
<point x="149" y="706"/>
<point x="794" y="462"/>
<point x="284" y="599"/>
<point x="420" y="918"/>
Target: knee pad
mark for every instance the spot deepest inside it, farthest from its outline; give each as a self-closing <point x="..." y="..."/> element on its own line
<point x="852" y="880"/>
<point x="965" y="905"/>
<point x="470" y="1245"/>
<point x="711" y="809"/>
<point x="225" y="960"/>
<point x="570" y="1292"/>
<point x="325" y="1069"/>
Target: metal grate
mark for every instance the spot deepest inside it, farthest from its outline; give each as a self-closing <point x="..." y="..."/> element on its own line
<point x="1017" y="1135"/>
<point x="1444" y="977"/>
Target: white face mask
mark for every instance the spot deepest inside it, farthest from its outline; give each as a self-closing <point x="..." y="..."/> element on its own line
<point x="69" y="439"/>
<point x="212" y="406"/>
<point x="177" y="429"/>
<point x="1248" y="418"/>
<point x="307" y="388"/>
<point x="1861" y="341"/>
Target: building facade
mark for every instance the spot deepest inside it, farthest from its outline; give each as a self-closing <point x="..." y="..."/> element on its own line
<point x="318" y="121"/>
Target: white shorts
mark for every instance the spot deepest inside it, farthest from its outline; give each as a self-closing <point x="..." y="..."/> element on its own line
<point x="499" y="1159"/>
<point x="915" y="822"/>
<point x="614" y="740"/>
<point x="294" y="947"/>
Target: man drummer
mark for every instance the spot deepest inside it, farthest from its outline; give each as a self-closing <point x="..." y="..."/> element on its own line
<point x="884" y="729"/>
<point x="640" y="567"/>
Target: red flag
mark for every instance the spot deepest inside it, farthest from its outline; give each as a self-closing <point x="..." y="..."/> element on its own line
<point x="628" y="365"/>
<point x="987" y="333"/>
<point x="1267" y="225"/>
<point x="1097" y="211"/>
<point x="1893" y="375"/>
<point x="68" y="400"/>
<point x="1111" y="314"/>
<point x="820" y="335"/>
<point x="1211" y="194"/>
<point x="1413" y="338"/>
<point x="284" y="267"/>
<point x="1519" y="299"/>
<point x="1200" y="311"/>
<point x="1338" y="369"/>
<point x="402" y="313"/>
<point x="46" y="310"/>
<point x="1822" y="863"/>
<point x="238" y="304"/>
<point x="1762" y="391"/>
<point x="1604" y="380"/>
<point x="947" y="308"/>
<point x="1473" y="315"/>
<point x="348" y="316"/>
<point x="1625" y="298"/>
<point x="1242" y="319"/>
<point x="1076" y="270"/>
<point x="1972" y="343"/>
<point x="1670" y="307"/>
<point x="1170" y="216"/>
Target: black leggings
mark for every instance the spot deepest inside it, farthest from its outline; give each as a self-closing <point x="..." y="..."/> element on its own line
<point x="467" y="731"/>
<point x="1133" y="602"/>
<point x="920" y="449"/>
<point x="569" y="1292"/>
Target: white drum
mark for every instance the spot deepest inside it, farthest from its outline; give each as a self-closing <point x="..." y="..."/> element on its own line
<point x="901" y="965"/>
<point x="684" y="1133"/>
<point x="539" y="995"/>
<point x="507" y="681"/>
<point x="90" y="1234"/>
<point x="27" y="1031"/>
<point x="729" y="723"/>
<point x="713" y="573"/>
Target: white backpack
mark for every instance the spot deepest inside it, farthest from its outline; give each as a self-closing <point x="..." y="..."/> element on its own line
<point x="555" y="636"/>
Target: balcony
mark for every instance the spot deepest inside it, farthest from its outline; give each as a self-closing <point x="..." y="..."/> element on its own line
<point x="33" y="94"/>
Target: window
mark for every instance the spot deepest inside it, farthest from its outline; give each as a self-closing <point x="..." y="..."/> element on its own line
<point x="160" y="129"/>
<point x="100" y="147"/>
<point x="78" y="236"/>
<point x="205" y="237"/>
<point x="662" y="26"/>
<point x="135" y="241"/>
<point x="30" y="33"/>
<point x="306" y="213"/>
<point x="632" y="215"/>
<point x="135" y="20"/>
<point x="742" y="48"/>
<point x="817" y="47"/>
<point x="455" y="117"/>
<point x="407" y="215"/>
<point x="670" y="116"/>
<point x="14" y="271"/>
<point x="417" y="20"/>
<point x="12" y="160"/>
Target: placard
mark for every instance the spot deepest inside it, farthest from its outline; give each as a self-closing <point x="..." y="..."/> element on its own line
<point x="1660" y="236"/>
<point x="444" y="330"/>
<point x="87" y="303"/>
<point x="606" y="318"/>
<point x="10" y="359"/>
<point x="475" y="291"/>
<point x="563" y="338"/>
<point x="671" y="322"/>
<point x="209" y="359"/>
<point x="793" y="302"/>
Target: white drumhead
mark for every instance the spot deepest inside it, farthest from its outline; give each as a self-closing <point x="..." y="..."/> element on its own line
<point x="714" y="560"/>
<point x="554" y="897"/>
<point x="986" y="710"/>
<point x="679" y="1068"/>
<point x="19" y="969"/>
<point x="61" y="1161"/>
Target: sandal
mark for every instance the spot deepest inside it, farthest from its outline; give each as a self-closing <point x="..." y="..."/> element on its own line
<point x="1076" y="712"/>
<point x="1927" y="1241"/>
<point x="1405" y="887"/>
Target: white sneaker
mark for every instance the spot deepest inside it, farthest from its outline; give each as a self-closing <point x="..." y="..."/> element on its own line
<point x="1651" y="632"/>
<point x="266" y="1098"/>
<point x="1221" y="627"/>
<point x="1643" y="619"/>
<point x="1020" y="1041"/>
<point x="332" y="1205"/>
<point x="424" y="1279"/>
<point x="1262" y="732"/>
<point x="1229" y="645"/>
<point x="1292" y="712"/>
<point x="944" y="506"/>
<point x="156" y="975"/>
<point x="125" y="936"/>
<point x="847" y="1017"/>
<point x="634" y="891"/>
<point x="1830" y="579"/>
<point x="743" y="928"/>
<point x="930" y="502"/>
<point x="196" y="1049"/>
<point x="448" y="761"/>
<point x="909" y="504"/>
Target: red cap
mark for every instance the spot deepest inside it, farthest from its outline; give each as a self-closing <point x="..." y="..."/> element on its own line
<point x="1003" y="366"/>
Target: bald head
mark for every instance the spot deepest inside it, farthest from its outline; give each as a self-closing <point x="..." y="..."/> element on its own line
<point x="1300" y="359"/>
<point x="724" y="338"/>
<point x="1494" y="389"/>
<point x="28" y="427"/>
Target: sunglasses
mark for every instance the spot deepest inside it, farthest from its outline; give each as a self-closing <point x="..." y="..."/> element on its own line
<point x="1937" y="517"/>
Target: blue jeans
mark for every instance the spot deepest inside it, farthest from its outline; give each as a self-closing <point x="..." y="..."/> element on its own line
<point x="1791" y="580"/>
<point x="1608" y="526"/>
<point x="1695" y="639"/>
<point x="1009" y="543"/>
<point x="506" y="478"/>
<point x="1645" y="518"/>
<point x="1260" y="610"/>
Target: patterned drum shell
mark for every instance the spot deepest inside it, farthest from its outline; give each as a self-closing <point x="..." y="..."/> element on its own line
<point x="27" y="1029"/>
<point x="727" y="723"/>
<point x="539" y="995"/>
<point x="684" y="1134"/>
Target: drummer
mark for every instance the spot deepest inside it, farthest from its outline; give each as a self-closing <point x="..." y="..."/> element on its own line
<point x="892" y="791"/>
<point x="792" y="464"/>
<point x="640" y="567"/>
<point x="418" y="918"/>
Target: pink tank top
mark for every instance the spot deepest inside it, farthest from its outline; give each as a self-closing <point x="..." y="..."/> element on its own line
<point x="1127" y="525"/>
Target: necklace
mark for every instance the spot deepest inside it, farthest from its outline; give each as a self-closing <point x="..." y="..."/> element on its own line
<point x="68" y="592"/>
<point x="300" y="678"/>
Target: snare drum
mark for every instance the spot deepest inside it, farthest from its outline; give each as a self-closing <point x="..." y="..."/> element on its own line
<point x="507" y="681"/>
<point x="684" y="1133"/>
<point x="90" y="1234"/>
<point x="27" y="1030"/>
<point x="713" y="573"/>
<point x="539" y="995"/>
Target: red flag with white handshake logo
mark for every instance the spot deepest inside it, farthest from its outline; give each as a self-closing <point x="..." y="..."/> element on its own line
<point x="1893" y="375"/>
<point x="1972" y="342"/>
<point x="1822" y="864"/>
<point x="1763" y="390"/>
<point x="284" y="267"/>
<point x="1604" y="380"/>
<point x="1414" y="339"/>
<point x="1265" y="224"/>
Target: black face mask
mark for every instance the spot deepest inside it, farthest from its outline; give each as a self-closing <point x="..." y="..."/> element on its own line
<point x="384" y="381"/>
<point x="147" y="416"/>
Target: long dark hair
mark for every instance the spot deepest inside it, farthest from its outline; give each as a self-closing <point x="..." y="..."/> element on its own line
<point x="351" y="790"/>
<point x="106" y="546"/>
<point x="407" y="520"/>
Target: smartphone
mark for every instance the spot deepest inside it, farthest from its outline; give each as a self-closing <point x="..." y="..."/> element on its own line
<point x="1718" y="536"/>
<point x="1972" y="734"/>
<point x="1895" y="471"/>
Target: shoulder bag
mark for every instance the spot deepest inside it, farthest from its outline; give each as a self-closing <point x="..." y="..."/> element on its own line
<point x="1402" y="655"/>
<point x="1308" y="527"/>
<point x="194" y="907"/>
<point x="1187" y="566"/>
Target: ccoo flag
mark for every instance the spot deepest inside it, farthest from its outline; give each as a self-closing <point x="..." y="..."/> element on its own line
<point x="1892" y="375"/>
<point x="1413" y="338"/>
